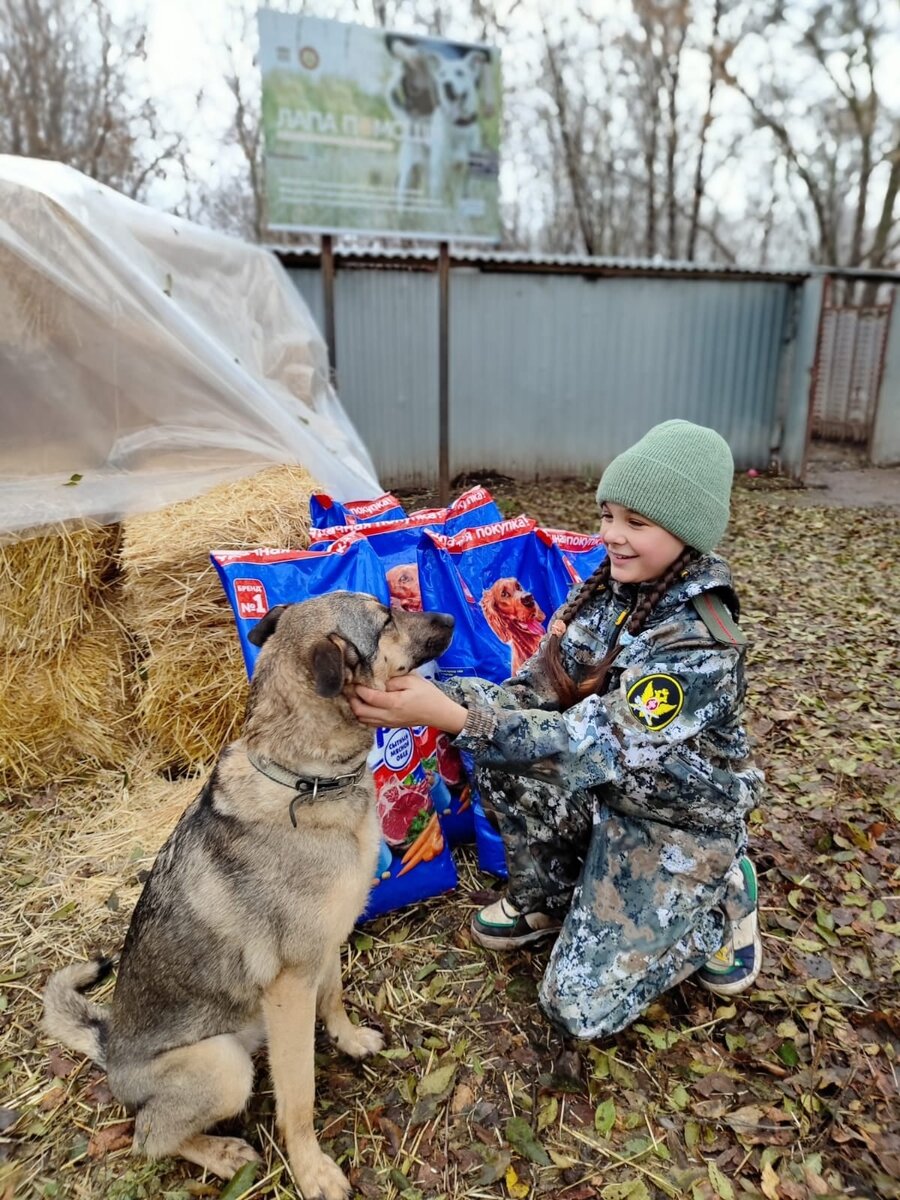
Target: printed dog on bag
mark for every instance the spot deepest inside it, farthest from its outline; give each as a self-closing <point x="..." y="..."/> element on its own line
<point x="403" y="586"/>
<point x="515" y="617"/>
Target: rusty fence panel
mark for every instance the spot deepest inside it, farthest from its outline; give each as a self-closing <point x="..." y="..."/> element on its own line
<point x="851" y="354"/>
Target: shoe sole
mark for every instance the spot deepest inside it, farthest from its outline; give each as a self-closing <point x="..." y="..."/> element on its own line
<point x="741" y="985"/>
<point x="501" y="942"/>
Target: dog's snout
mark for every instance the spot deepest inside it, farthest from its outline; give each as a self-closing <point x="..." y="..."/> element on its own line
<point x="450" y="93"/>
<point x="528" y="600"/>
<point x="443" y="620"/>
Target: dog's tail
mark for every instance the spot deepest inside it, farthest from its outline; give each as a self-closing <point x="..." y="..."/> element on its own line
<point x="70" y="1017"/>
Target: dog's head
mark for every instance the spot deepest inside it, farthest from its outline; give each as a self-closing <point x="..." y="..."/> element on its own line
<point x="412" y="89"/>
<point x="506" y="603"/>
<point x="324" y="644"/>
<point x="457" y="82"/>
<point x="403" y="585"/>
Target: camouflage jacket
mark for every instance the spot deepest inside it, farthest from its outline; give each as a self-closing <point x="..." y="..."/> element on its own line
<point x="664" y="741"/>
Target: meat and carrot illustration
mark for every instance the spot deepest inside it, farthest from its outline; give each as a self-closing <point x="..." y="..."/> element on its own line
<point x="429" y="843"/>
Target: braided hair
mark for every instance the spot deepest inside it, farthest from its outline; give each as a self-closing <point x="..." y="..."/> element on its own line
<point x="570" y="692"/>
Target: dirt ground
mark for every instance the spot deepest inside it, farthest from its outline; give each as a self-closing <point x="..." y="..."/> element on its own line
<point x="839" y="475"/>
<point x="789" y="1093"/>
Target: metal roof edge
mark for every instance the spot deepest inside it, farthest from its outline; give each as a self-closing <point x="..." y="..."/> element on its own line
<point x="513" y="261"/>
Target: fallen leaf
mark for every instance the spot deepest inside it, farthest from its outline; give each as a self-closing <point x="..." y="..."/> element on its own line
<point x="437" y="1083"/>
<point x="110" y="1138"/>
<point x="60" y="1065"/>
<point x="521" y="1137"/>
<point x="514" y="1186"/>
<point x="463" y="1098"/>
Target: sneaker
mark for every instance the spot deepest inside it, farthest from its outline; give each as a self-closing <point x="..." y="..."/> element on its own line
<point x="501" y="926"/>
<point x="734" y="967"/>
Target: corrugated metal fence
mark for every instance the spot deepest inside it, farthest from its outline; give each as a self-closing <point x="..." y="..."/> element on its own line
<point x="554" y="372"/>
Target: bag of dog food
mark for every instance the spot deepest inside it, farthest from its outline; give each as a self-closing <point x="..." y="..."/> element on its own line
<point x="418" y="863"/>
<point x="450" y="791"/>
<point x="469" y="510"/>
<point x="394" y="544"/>
<point x="496" y="582"/>
<point x="415" y="862"/>
<point x="395" y="541"/>
<point x="324" y="510"/>
<point x="579" y="556"/>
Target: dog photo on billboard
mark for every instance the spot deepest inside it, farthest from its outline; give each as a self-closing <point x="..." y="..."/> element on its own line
<point x="439" y="91"/>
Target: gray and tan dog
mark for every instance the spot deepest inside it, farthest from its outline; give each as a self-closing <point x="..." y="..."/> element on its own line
<point x="236" y="937"/>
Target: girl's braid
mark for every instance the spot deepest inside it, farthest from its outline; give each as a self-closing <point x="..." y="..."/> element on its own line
<point x="559" y="677"/>
<point x="570" y="692"/>
<point x="650" y="599"/>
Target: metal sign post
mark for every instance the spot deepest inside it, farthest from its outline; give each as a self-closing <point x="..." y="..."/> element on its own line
<point x="328" y="301"/>
<point x="444" y="373"/>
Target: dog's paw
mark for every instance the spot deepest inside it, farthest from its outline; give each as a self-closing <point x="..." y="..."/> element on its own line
<point x="223" y="1156"/>
<point x="359" y="1042"/>
<point x="317" y="1176"/>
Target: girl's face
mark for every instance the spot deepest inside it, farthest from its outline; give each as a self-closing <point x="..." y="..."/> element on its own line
<point x="639" y="551"/>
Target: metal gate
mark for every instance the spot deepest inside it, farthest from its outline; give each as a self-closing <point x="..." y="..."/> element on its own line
<point x="848" y="371"/>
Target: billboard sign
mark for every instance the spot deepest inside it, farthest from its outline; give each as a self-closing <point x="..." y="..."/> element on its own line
<point x="368" y="131"/>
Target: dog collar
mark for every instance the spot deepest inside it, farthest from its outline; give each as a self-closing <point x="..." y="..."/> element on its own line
<point x="466" y="120"/>
<point x="307" y="788"/>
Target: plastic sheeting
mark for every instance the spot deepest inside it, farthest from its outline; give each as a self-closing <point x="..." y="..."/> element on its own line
<point x="144" y="359"/>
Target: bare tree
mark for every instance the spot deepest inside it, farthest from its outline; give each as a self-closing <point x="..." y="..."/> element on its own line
<point x="68" y="93"/>
<point x="843" y="143"/>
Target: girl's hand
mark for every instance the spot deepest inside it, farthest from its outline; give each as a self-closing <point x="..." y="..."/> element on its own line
<point x="408" y="700"/>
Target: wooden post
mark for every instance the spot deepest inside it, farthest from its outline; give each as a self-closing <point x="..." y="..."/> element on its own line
<point x="328" y="301"/>
<point x="444" y="373"/>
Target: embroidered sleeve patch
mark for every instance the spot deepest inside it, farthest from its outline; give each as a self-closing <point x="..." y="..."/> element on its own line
<point x="656" y="700"/>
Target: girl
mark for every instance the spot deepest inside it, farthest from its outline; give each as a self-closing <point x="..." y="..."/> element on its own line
<point x="615" y="761"/>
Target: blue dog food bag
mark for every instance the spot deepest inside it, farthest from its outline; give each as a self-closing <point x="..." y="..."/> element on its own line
<point x="469" y="510"/>
<point x="579" y="555"/>
<point x="495" y="580"/>
<point x="415" y="861"/>
<point x="394" y="544"/>
<point x="324" y="510"/>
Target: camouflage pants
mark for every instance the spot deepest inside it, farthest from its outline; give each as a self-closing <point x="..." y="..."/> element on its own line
<point x="643" y="904"/>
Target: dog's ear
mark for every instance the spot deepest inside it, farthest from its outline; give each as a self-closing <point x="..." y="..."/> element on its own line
<point x="476" y="61"/>
<point x="494" y="619"/>
<point x="327" y="658"/>
<point x="264" y="629"/>
<point x="401" y="47"/>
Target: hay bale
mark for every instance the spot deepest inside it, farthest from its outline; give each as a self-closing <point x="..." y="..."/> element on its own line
<point x="191" y="681"/>
<point x="50" y="586"/>
<point x="192" y="693"/>
<point x="67" y="714"/>
<point x="168" y="578"/>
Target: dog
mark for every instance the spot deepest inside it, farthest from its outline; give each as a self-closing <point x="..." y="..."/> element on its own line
<point x="236" y="937"/>
<point x="438" y="99"/>
<point x="515" y="617"/>
<point x="403" y="586"/>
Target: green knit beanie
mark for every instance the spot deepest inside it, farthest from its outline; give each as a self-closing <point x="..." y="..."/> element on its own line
<point x="678" y="476"/>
